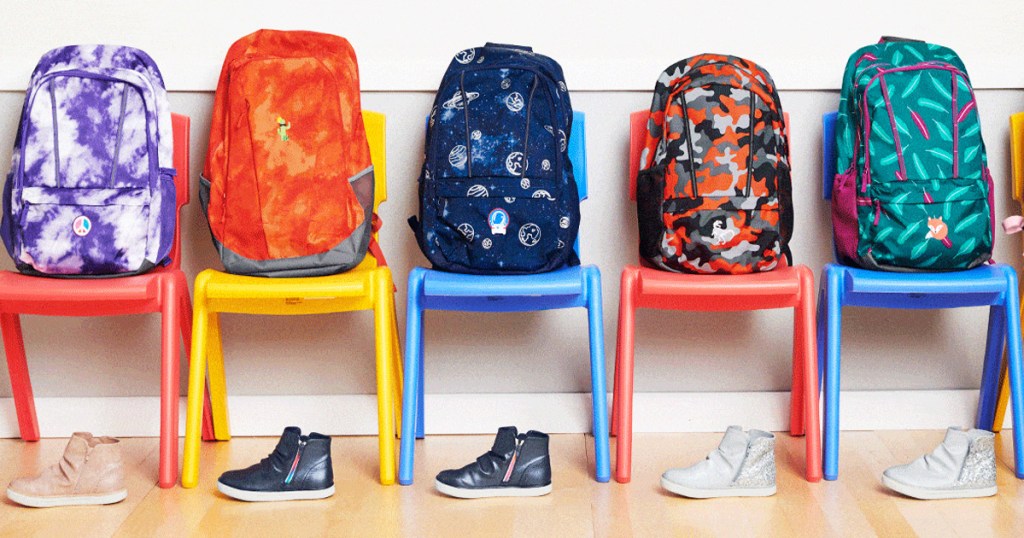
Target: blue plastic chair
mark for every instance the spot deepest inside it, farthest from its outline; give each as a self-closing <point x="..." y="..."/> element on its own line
<point x="569" y="287"/>
<point x="992" y="285"/>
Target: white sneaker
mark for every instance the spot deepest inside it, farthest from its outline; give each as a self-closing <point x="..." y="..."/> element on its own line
<point x="742" y="466"/>
<point x="963" y="466"/>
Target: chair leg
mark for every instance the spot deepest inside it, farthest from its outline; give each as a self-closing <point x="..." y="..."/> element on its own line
<point x="614" y="430"/>
<point x="1015" y="368"/>
<point x="21" y="383"/>
<point x="1004" y="397"/>
<point x="821" y="335"/>
<point x="796" y="392"/>
<point x="623" y="397"/>
<point x="185" y="323"/>
<point x="170" y="359"/>
<point x="383" y="291"/>
<point x="421" y="416"/>
<point x="218" y="386"/>
<point x="396" y="367"/>
<point x="993" y="367"/>
<point x="599" y="389"/>
<point x="196" y="389"/>
<point x="833" y="319"/>
<point x="809" y="384"/>
<point x="413" y="379"/>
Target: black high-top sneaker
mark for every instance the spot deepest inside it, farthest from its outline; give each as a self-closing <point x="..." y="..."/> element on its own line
<point x="299" y="468"/>
<point x="516" y="466"/>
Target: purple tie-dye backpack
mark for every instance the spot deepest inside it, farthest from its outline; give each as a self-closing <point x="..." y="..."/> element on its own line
<point x="91" y="187"/>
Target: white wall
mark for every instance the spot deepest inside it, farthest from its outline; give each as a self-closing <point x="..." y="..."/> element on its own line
<point x="676" y="351"/>
<point x="602" y="44"/>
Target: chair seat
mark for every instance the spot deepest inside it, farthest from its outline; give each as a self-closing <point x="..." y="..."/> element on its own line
<point x="782" y="281"/>
<point x="564" y="281"/>
<point x="221" y="285"/>
<point x="83" y="297"/>
<point x="665" y="290"/>
<point x="984" y="279"/>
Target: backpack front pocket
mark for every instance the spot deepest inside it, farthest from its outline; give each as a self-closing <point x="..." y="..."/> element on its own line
<point x="499" y="225"/>
<point x="723" y="234"/>
<point x="933" y="224"/>
<point x="84" y="231"/>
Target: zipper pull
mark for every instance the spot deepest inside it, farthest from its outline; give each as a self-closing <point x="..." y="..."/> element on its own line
<point x="878" y="211"/>
<point x="865" y="179"/>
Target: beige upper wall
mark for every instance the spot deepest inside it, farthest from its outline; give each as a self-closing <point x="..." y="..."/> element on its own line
<point x="601" y="44"/>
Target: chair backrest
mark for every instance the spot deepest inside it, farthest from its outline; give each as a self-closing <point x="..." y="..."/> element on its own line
<point x="828" y="153"/>
<point x="637" y="132"/>
<point x="375" y="124"/>
<point x="578" y="158"/>
<point x="1017" y="155"/>
<point x="180" y="125"/>
<point x="578" y="154"/>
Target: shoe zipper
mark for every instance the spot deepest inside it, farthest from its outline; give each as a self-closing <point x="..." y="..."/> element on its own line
<point x="512" y="464"/>
<point x="295" y="463"/>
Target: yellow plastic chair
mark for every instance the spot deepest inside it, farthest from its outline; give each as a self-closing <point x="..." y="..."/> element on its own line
<point x="366" y="287"/>
<point x="1017" y="167"/>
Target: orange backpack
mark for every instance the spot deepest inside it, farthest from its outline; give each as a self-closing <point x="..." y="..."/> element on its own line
<point x="288" y="183"/>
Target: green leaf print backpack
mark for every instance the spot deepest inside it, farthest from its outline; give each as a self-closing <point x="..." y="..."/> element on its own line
<point x="913" y="192"/>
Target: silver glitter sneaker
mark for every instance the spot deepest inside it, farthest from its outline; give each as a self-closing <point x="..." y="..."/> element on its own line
<point x="742" y="466"/>
<point x="963" y="466"/>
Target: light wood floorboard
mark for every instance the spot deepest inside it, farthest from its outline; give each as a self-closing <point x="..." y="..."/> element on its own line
<point x="854" y="505"/>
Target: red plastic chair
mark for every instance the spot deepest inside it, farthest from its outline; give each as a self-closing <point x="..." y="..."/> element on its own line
<point x="786" y="287"/>
<point x="163" y="290"/>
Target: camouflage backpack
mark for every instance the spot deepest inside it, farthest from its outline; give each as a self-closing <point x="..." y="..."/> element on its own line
<point x="713" y="191"/>
<point x="913" y="192"/>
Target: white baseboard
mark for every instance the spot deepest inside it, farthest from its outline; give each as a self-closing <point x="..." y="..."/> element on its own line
<point x="483" y="413"/>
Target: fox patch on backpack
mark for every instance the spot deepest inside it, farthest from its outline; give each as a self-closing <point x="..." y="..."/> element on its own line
<point x="497" y="193"/>
<point x="91" y="187"/>
<point x="288" y="184"/>
<point x="913" y="190"/>
<point x="714" y="192"/>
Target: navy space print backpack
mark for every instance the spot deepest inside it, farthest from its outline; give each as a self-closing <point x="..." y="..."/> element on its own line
<point x="497" y="194"/>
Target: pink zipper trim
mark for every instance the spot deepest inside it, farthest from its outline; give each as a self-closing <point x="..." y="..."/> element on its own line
<point x="963" y="112"/>
<point x="865" y="56"/>
<point x="895" y="131"/>
<point x="865" y="180"/>
<point x="866" y="176"/>
<point x="956" y="129"/>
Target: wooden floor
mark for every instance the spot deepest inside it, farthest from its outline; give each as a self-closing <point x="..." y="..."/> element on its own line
<point x="854" y="505"/>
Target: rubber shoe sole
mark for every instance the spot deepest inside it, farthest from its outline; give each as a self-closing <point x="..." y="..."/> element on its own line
<point x="66" y="500"/>
<point x="267" y="496"/>
<point x="695" y="493"/>
<point x="508" y="491"/>
<point x="931" y="494"/>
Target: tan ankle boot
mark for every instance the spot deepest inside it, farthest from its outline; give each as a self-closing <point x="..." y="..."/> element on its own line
<point x="91" y="472"/>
